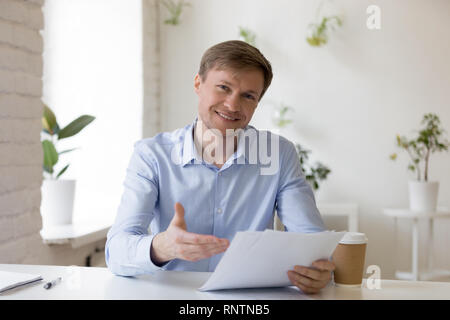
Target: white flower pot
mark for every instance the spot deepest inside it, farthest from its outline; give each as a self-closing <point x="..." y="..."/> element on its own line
<point x="423" y="196"/>
<point x="57" y="202"/>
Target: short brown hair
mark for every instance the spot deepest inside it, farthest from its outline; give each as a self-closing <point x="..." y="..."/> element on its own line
<point x="236" y="54"/>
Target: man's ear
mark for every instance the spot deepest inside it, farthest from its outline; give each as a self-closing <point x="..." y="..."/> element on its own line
<point x="197" y="81"/>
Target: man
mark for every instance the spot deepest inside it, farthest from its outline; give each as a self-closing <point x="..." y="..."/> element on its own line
<point x="197" y="186"/>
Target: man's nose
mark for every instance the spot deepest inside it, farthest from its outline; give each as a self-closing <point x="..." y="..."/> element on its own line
<point x="232" y="102"/>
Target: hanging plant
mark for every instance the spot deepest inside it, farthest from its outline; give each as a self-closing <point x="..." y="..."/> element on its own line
<point x="175" y="10"/>
<point x="280" y="119"/>
<point x="319" y="32"/>
<point x="247" y="35"/>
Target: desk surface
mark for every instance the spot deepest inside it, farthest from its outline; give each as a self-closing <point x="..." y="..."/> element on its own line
<point x="100" y="283"/>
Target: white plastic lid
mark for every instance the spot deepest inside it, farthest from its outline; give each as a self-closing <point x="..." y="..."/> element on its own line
<point x="354" y="238"/>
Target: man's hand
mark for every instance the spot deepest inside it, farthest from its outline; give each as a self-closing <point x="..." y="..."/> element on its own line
<point x="177" y="242"/>
<point x="312" y="279"/>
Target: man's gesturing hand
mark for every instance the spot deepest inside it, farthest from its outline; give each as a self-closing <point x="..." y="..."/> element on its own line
<point x="177" y="242"/>
<point x="311" y="280"/>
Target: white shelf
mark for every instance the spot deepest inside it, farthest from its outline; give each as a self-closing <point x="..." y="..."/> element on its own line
<point x="441" y="212"/>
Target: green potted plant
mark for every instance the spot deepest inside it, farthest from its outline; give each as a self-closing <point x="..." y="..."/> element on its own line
<point x="423" y="194"/>
<point x="57" y="194"/>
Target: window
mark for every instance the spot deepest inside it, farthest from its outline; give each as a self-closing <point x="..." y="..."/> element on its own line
<point x="93" y="65"/>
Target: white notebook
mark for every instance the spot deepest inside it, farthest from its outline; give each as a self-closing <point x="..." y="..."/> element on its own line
<point x="11" y="280"/>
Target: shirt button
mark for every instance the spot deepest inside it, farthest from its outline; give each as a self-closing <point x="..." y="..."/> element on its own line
<point x="220" y="173"/>
<point x="219" y="210"/>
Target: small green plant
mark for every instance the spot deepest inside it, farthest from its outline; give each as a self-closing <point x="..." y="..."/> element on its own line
<point x="428" y="141"/>
<point x="247" y="35"/>
<point x="279" y="118"/>
<point x="313" y="173"/>
<point x="175" y="9"/>
<point x="319" y="32"/>
<point x="53" y="133"/>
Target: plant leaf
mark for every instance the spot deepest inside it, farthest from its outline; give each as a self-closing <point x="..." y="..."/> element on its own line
<point x="62" y="171"/>
<point x="49" y="120"/>
<point x="75" y="126"/>
<point x="47" y="169"/>
<point x="50" y="155"/>
<point x="45" y="126"/>
<point x="67" y="151"/>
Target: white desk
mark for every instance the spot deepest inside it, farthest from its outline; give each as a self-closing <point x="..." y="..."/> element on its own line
<point x="415" y="274"/>
<point x="100" y="283"/>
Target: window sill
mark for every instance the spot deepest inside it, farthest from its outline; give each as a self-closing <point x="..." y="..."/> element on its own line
<point x="77" y="234"/>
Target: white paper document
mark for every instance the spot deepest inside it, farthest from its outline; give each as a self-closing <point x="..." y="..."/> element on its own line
<point x="262" y="258"/>
<point x="11" y="280"/>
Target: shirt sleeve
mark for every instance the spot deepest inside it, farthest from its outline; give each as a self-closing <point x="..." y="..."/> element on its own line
<point x="296" y="206"/>
<point x="127" y="249"/>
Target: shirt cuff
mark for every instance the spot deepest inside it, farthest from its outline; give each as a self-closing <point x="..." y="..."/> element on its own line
<point x="143" y="254"/>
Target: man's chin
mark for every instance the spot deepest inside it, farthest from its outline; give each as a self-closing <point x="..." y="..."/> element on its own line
<point x="230" y="129"/>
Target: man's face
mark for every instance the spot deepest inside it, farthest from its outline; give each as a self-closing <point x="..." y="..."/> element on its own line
<point x="228" y="98"/>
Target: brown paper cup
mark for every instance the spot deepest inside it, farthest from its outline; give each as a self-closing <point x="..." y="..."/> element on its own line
<point x="349" y="257"/>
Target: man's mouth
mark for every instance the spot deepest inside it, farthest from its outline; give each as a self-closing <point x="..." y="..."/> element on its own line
<point x="226" y="117"/>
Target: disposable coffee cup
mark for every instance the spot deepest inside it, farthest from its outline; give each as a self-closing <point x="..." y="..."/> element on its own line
<point x="348" y="258"/>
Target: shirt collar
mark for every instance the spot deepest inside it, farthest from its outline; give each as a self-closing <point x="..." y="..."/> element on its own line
<point x="190" y="153"/>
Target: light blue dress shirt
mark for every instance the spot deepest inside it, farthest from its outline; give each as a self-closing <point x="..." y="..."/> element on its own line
<point x="167" y="168"/>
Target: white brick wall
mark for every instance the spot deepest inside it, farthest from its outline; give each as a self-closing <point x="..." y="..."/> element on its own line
<point x="151" y="64"/>
<point x="21" y="68"/>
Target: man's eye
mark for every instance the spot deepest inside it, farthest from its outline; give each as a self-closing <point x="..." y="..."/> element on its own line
<point x="221" y="86"/>
<point x="250" y="97"/>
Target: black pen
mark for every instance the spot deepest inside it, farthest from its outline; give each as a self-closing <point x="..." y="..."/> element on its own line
<point x="50" y="284"/>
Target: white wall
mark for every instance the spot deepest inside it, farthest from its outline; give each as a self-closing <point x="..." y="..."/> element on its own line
<point x="93" y="65"/>
<point x="350" y="98"/>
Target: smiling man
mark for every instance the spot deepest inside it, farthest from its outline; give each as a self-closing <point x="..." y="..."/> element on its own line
<point x="196" y="204"/>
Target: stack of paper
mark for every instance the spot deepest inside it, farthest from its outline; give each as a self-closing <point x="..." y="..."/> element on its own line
<point x="262" y="258"/>
<point x="11" y="280"/>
